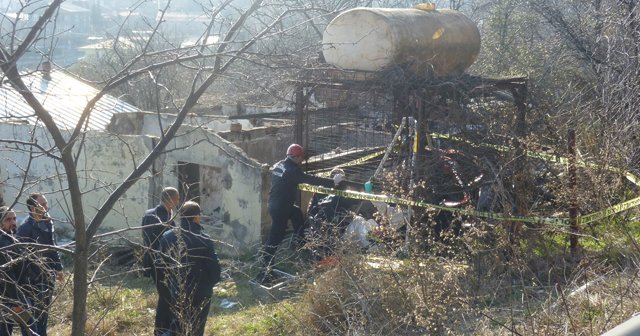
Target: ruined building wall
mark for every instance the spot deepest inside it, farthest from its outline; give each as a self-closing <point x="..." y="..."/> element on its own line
<point x="230" y="185"/>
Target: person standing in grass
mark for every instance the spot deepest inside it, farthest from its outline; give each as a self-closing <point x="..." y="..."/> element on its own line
<point x="286" y="175"/>
<point x="11" y="268"/>
<point x="191" y="270"/>
<point x="155" y="223"/>
<point x="38" y="228"/>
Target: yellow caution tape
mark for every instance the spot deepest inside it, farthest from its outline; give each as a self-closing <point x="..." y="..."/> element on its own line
<point x="610" y="211"/>
<point x="543" y="156"/>
<point x="387" y="199"/>
<point x="584" y="219"/>
<point x="325" y="172"/>
<point x="634" y="179"/>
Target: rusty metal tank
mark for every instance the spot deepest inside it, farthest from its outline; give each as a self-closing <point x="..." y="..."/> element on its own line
<point x="423" y="42"/>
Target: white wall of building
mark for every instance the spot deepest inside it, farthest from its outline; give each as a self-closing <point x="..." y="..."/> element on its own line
<point x="231" y="183"/>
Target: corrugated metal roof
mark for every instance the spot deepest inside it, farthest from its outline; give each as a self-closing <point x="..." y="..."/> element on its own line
<point x="64" y="97"/>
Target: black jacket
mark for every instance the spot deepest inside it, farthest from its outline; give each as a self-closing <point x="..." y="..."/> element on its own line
<point x="199" y="268"/>
<point x="40" y="232"/>
<point x="285" y="177"/>
<point x="151" y="233"/>
<point x="332" y="206"/>
<point x="10" y="270"/>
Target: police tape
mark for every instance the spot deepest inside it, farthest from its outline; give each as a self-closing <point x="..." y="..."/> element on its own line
<point x="542" y="156"/>
<point x="633" y="178"/>
<point x="610" y="211"/>
<point x="396" y="200"/>
<point x="325" y="172"/>
<point x="503" y="148"/>
<point x="584" y="219"/>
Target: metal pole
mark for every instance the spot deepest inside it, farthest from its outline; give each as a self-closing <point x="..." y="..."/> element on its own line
<point x="413" y="128"/>
<point x="376" y="174"/>
<point x="520" y="178"/>
<point x="299" y="117"/>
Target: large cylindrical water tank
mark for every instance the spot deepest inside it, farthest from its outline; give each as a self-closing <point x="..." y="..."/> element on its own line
<point x="426" y="43"/>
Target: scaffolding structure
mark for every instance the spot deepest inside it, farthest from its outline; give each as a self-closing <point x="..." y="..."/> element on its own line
<point x="344" y="115"/>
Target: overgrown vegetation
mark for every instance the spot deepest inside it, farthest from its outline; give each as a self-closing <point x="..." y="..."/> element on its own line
<point x="488" y="288"/>
<point x="483" y="281"/>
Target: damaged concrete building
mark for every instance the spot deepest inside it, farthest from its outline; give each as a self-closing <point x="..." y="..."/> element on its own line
<point x="223" y="175"/>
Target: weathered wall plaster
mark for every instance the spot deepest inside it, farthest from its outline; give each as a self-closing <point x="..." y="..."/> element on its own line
<point x="103" y="163"/>
<point x="149" y="123"/>
<point x="231" y="184"/>
<point x="265" y="144"/>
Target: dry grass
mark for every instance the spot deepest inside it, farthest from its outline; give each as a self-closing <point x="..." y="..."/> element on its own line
<point x="375" y="296"/>
<point x="127" y="307"/>
<point x="380" y="296"/>
<point x="530" y="289"/>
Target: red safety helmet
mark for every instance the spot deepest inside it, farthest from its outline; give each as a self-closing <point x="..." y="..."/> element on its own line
<point x="295" y="150"/>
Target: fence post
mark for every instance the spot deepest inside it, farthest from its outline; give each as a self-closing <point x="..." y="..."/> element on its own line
<point x="299" y="116"/>
<point x="521" y="180"/>
<point x="573" y="206"/>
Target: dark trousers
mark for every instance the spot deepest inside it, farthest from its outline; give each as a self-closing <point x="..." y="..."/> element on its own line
<point x="195" y="317"/>
<point x="191" y="311"/>
<point x="201" y="304"/>
<point x="164" y="315"/>
<point x="6" y="329"/>
<point x="7" y="322"/>
<point x="39" y="294"/>
<point x="279" y="218"/>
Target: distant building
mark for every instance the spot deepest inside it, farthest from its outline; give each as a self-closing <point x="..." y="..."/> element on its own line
<point x="74" y="19"/>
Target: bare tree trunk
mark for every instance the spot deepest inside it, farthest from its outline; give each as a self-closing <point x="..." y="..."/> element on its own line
<point x="80" y="256"/>
<point x="80" y="289"/>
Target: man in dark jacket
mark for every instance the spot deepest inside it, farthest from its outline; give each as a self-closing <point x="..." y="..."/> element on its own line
<point x="155" y="223"/>
<point x="313" y="208"/>
<point x="11" y="268"/>
<point x="191" y="269"/>
<point x="285" y="177"/>
<point x="38" y="228"/>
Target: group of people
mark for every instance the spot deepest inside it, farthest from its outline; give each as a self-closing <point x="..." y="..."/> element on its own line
<point x="182" y="261"/>
<point x="29" y="268"/>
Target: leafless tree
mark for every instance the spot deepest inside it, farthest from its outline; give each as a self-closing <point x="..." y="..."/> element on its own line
<point x="240" y="29"/>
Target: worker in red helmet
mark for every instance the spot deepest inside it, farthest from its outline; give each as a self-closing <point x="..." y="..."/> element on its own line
<point x="285" y="177"/>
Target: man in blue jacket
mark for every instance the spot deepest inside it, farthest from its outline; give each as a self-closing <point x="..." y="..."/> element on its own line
<point x="155" y="223"/>
<point x="38" y="228"/>
<point x="191" y="269"/>
<point x="285" y="177"/>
